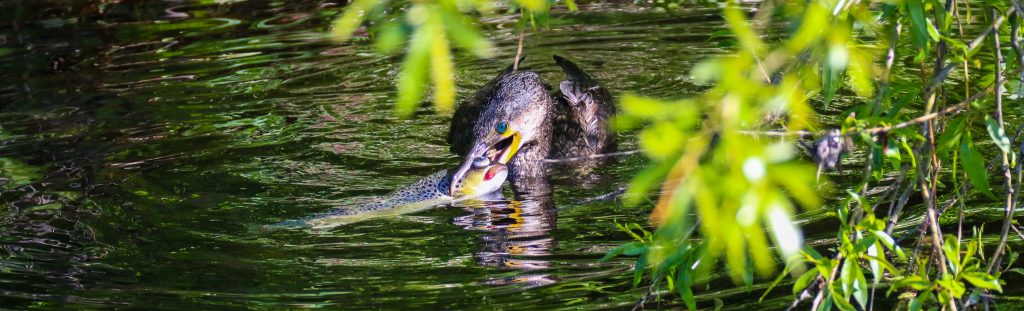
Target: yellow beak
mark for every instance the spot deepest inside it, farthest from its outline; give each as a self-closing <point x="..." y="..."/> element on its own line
<point x="512" y="149"/>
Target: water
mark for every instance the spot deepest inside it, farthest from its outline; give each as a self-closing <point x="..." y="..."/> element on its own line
<point x="143" y="143"/>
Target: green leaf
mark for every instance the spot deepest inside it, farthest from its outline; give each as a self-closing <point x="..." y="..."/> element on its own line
<point x="441" y="69"/>
<point x="951" y="248"/>
<point x="955" y="287"/>
<point x="919" y="23"/>
<point x="914" y="282"/>
<point x="847" y="277"/>
<point x="982" y="280"/>
<point x="841" y="302"/>
<point x="974" y="164"/>
<point x="829" y="83"/>
<point x="631" y="248"/>
<point x="571" y="4"/>
<point x="892" y="153"/>
<point x="778" y="279"/>
<point x="413" y="77"/>
<point x="876" y="268"/>
<point x="861" y="73"/>
<point x="533" y="5"/>
<point x="877" y="161"/>
<point x="638" y="270"/>
<point x="645" y="180"/>
<point x="950" y="138"/>
<point x="917" y="303"/>
<point x="687" y="294"/>
<point x="888" y="242"/>
<point x="661" y="140"/>
<point x="804" y="280"/>
<point x="390" y="37"/>
<point x="932" y="31"/>
<point x="997" y="134"/>
<point x="906" y="148"/>
<point x="343" y="27"/>
<point x="465" y="34"/>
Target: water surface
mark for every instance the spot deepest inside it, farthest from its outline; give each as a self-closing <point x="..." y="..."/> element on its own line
<point x="144" y="142"/>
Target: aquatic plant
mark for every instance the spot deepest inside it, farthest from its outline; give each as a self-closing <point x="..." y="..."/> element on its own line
<point x="726" y="172"/>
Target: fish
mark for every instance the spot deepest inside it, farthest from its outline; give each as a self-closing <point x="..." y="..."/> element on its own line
<point x="482" y="181"/>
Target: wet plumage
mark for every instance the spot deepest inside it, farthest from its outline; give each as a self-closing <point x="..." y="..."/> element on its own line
<point x="572" y="122"/>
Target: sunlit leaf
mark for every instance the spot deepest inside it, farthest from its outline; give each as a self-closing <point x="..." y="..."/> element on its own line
<point x="344" y="26"/>
<point x="786" y="234"/>
<point x="892" y="154"/>
<point x="441" y="68"/>
<point x="814" y="21"/>
<point x="914" y="282"/>
<point x="534" y="5"/>
<point x="645" y="180"/>
<point x="998" y="135"/>
<point x="862" y="73"/>
<point x="951" y="248"/>
<point x="860" y="287"/>
<point x="661" y="140"/>
<point x="466" y="35"/>
<point x="741" y="29"/>
<point x="571" y="5"/>
<point x="982" y="280"/>
<point x="876" y="269"/>
<point x="706" y="71"/>
<point x="413" y="77"/>
<point x="390" y="37"/>
<point x="804" y="280"/>
<point x="955" y="287"/>
<point x="888" y="242"/>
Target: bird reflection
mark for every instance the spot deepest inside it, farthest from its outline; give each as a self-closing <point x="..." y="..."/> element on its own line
<point x="518" y="235"/>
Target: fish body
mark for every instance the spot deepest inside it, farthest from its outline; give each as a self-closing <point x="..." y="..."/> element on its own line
<point x="482" y="181"/>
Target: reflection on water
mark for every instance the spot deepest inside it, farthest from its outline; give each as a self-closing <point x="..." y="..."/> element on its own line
<point x="518" y="233"/>
<point x="143" y="140"/>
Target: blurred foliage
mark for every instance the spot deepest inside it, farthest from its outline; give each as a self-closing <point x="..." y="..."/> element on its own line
<point x="430" y="29"/>
<point x="725" y="193"/>
<point x="736" y="187"/>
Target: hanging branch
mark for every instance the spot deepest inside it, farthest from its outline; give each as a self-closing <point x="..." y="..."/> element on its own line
<point x="1008" y="184"/>
<point x="519" y="52"/>
<point x="592" y="157"/>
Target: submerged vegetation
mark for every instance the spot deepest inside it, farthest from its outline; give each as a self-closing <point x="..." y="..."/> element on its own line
<point x="929" y="81"/>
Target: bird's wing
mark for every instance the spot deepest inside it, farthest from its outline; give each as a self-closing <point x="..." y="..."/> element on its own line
<point x="581" y="126"/>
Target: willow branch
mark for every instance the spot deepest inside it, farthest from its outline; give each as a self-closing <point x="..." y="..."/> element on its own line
<point x="1008" y="184"/>
<point x="593" y="157"/>
<point x="519" y="52"/>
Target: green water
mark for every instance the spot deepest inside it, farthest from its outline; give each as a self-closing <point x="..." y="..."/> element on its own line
<point x="143" y="143"/>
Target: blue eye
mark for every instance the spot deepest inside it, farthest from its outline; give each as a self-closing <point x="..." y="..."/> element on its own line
<point x="501" y="128"/>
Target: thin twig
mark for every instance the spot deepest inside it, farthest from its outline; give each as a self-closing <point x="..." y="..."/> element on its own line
<point x="592" y="157"/>
<point x="778" y="133"/>
<point x="519" y="52"/>
<point x="604" y="197"/>
<point x="1008" y="184"/>
<point x="971" y="48"/>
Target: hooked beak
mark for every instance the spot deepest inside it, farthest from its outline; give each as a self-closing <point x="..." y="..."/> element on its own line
<point x="500" y="152"/>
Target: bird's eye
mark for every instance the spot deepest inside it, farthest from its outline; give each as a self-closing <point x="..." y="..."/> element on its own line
<point x="501" y="128"/>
